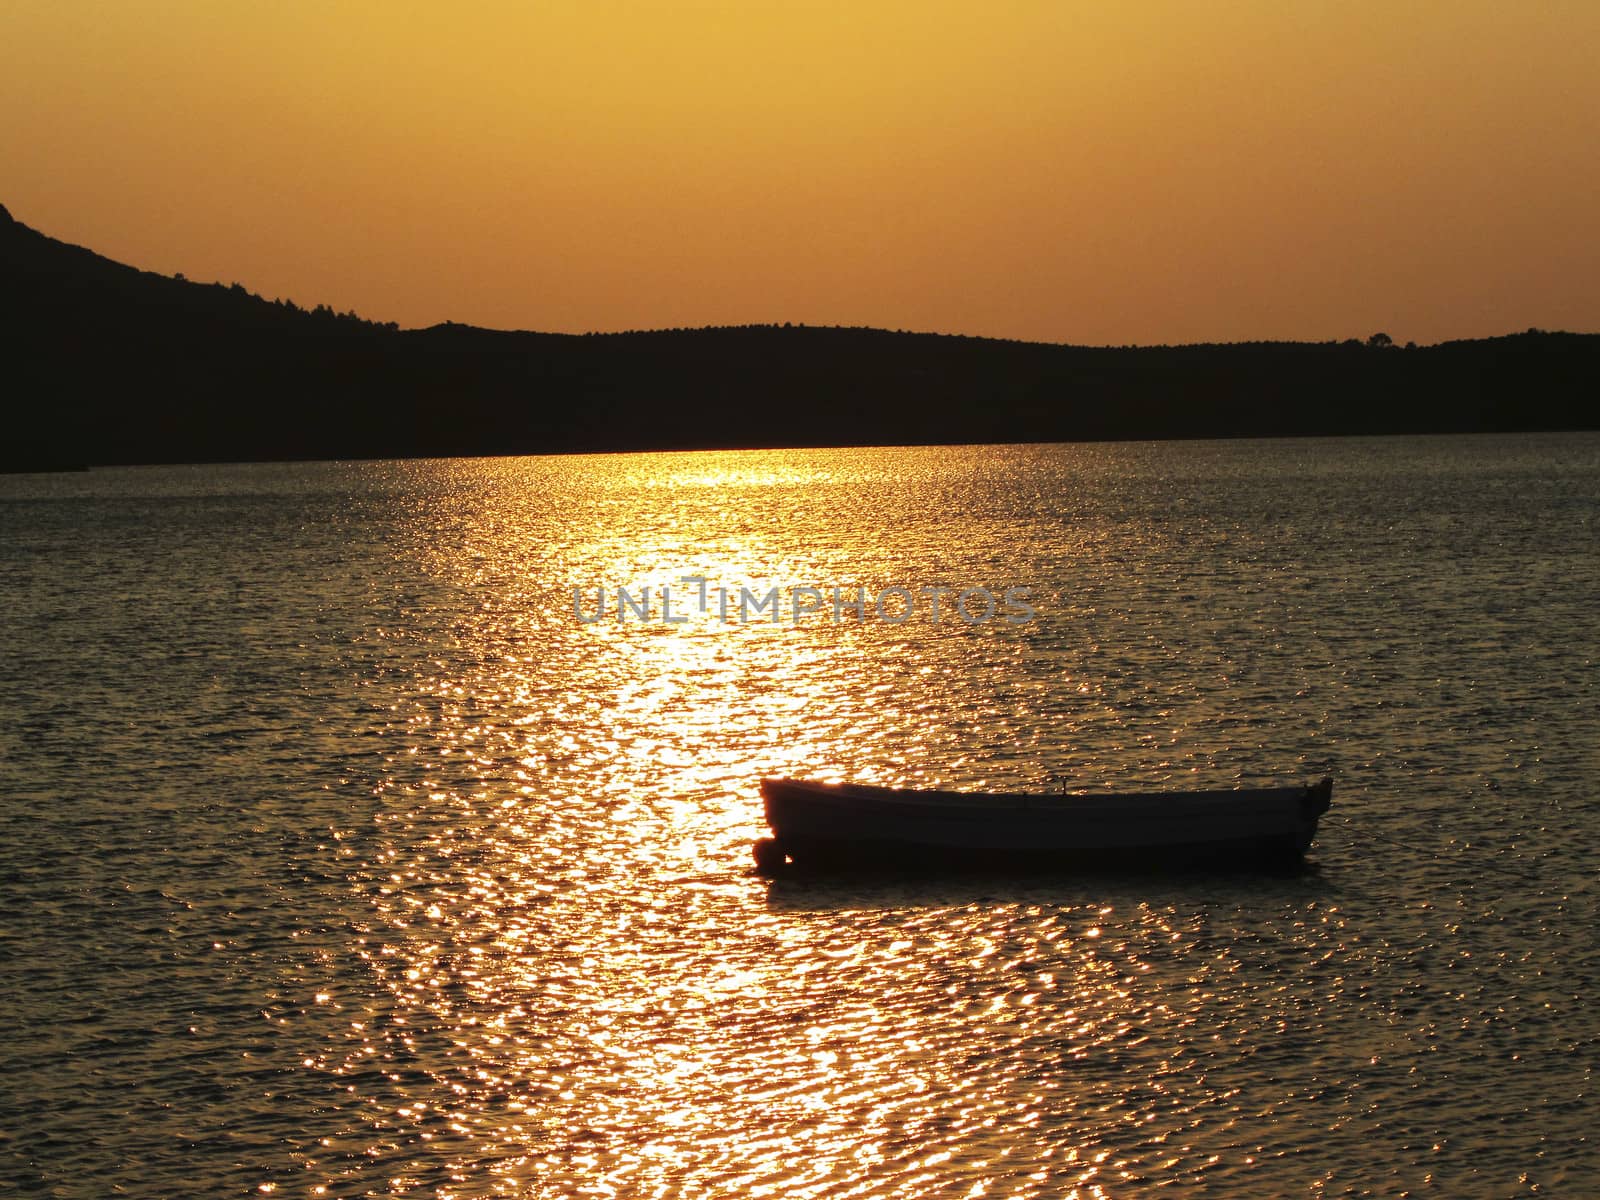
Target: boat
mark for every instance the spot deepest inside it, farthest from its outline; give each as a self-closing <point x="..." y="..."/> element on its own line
<point x="833" y="826"/>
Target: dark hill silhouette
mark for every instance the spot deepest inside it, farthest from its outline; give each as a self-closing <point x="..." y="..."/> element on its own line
<point x="116" y="365"/>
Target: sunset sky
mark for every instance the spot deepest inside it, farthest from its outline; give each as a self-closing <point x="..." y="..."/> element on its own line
<point x="1069" y="172"/>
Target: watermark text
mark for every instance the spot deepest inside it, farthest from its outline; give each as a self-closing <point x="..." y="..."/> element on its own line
<point x="697" y="597"/>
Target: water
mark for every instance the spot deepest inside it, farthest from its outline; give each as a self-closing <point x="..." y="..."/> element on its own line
<point x="340" y="858"/>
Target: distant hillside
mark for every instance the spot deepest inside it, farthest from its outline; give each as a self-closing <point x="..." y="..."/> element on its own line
<point x="110" y="364"/>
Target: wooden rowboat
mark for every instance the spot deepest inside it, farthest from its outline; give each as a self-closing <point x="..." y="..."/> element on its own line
<point x="827" y="826"/>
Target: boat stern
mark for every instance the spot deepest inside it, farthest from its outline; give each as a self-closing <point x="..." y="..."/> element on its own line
<point x="1318" y="798"/>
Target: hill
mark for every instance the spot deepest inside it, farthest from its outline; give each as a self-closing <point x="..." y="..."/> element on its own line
<point x="111" y="364"/>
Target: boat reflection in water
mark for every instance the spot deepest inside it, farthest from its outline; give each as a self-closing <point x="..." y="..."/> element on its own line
<point x="832" y="826"/>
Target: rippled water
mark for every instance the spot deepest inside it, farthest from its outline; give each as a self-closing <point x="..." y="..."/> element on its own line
<point x="340" y="858"/>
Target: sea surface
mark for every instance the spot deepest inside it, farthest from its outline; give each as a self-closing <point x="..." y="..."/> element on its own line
<point x="342" y="853"/>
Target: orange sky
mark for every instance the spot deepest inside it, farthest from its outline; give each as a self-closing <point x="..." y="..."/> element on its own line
<point x="1079" y="172"/>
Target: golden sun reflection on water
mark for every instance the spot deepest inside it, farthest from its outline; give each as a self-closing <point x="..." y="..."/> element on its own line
<point x="652" y="1026"/>
<point x="582" y="934"/>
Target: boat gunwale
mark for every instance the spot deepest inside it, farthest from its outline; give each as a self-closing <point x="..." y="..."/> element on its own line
<point x="988" y="802"/>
